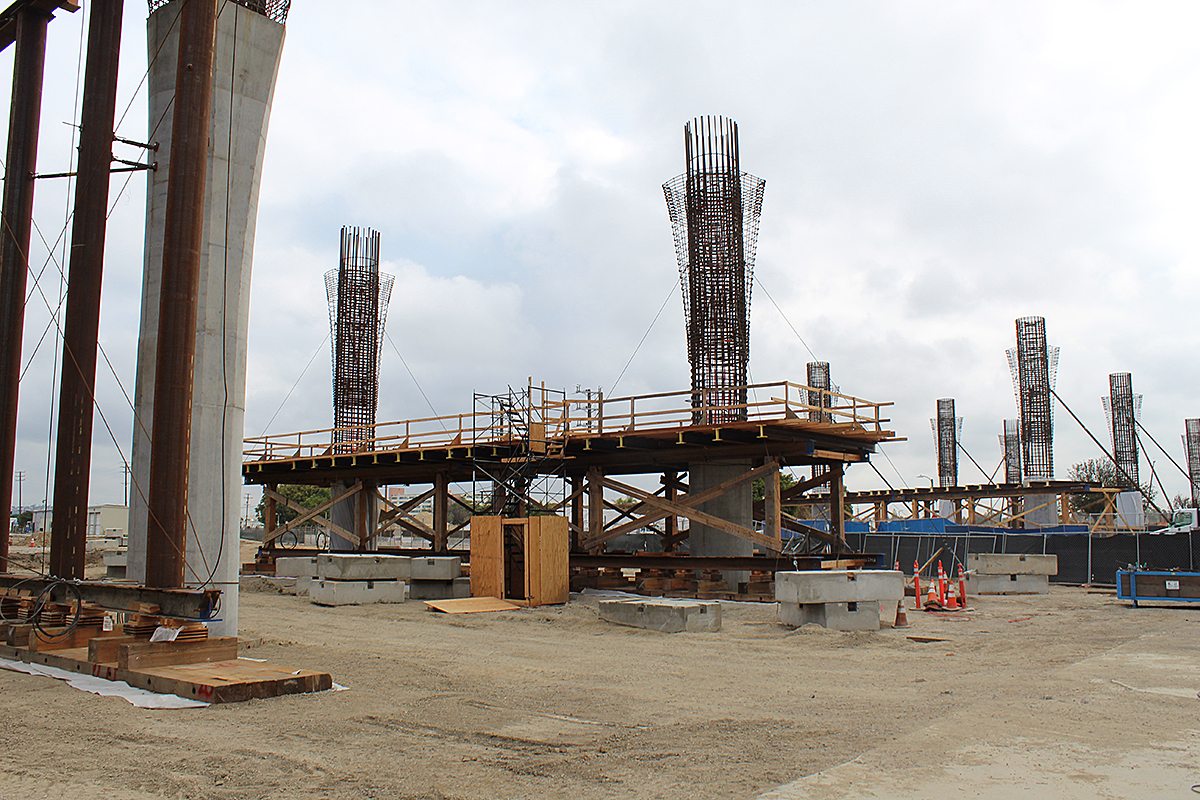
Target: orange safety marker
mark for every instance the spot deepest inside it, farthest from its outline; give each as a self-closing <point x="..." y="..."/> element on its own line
<point x="951" y="602"/>
<point x="941" y="584"/>
<point x="916" y="584"/>
<point x="962" y="586"/>
<point x="901" y="617"/>
<point x="932" y="600"/>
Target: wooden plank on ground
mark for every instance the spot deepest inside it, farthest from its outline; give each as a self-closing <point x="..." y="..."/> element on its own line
<point x="221" y="682"/>
<point x="138" y="656"/>
<point x="471" y="605"/>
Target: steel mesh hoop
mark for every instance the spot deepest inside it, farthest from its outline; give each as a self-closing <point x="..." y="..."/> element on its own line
<point x="1011" y="441"/>
<point x="714" y="209"/>
<point x="1033" y="371"/>
<point x="819" y="386"/>
<point x="947" y="440"/>
<point x="276" y="10"/>
<point x="1192" y="428"/>
<point x="358" y="296"/>
<point x="1121" y="426"/>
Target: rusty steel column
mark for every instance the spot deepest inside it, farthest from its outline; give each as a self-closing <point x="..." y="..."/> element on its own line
<point x="81" y="328"/>
<point x="166" y="541"/>
<point x="24" y="113"/>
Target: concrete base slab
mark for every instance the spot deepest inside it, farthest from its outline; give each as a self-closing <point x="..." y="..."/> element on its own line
<point x="296" y="567"/>
<point x="439" y="590"/>
<point x="667" y="616"/>
<point x="855" y="616"/>
<point x="362" y="567"/>
<point x="1008" y="584"/>
<point x="353" y="593"/>
<point x="436" y="568"/>
<point x="1012" y="564"/>
<point x="838" y="586"/>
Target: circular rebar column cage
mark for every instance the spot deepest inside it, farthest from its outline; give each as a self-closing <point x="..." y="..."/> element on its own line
<point x="947" y="443"/>
<point x="1123" y="417"/>
<point x="1037" y="423"/>
<point x="358" y="296"/>
<point x="715" y="209"/>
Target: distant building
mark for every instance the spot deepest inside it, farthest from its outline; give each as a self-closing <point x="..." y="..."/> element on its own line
<point x="107" y="520"/>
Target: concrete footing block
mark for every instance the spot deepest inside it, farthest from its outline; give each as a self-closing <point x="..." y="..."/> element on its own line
<point x="667" y="616"/>
<point x="351" y="593"/>
<point x="856" y="616"/>
<point x="838" y="586"/>
<point x="436" y="568"/>
<point x="439" y="590"/>
<point x="363" y="567"/>
<point x="296" y="567"/>
<point x="1008" y="584"/>
<point x="1012" y="564"/>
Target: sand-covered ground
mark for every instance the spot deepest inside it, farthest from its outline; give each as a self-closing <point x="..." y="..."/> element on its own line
<point x="1072" y="694"/>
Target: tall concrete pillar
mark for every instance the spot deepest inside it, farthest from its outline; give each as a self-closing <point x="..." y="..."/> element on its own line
<point x="248" y="47"/>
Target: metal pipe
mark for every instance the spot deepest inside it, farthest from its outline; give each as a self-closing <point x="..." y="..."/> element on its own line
<point x="16" y="218"/>
<point x="68" y="539"/>
<point x="183" y="229"/>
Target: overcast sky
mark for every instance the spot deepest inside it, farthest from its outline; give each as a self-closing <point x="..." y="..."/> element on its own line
<point x="933" y="171"/>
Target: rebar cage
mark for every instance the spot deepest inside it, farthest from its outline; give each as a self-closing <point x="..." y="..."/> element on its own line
<point x="1033" y="379"/>
<point x="1010" y="442"/>
<point x="947" y="442"/>
<point x="358" y="296"/>
<point x="714" y="209"/>
<point x="1121" y="406"/>
<point x="1192" y="438"/>
<point x="819" y="399"/>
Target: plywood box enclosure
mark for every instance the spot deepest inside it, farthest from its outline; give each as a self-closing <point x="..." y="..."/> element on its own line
<point x="524" y="560"/>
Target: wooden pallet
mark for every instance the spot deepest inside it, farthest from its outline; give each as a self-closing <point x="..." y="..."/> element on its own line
<point x="206" y="669"/>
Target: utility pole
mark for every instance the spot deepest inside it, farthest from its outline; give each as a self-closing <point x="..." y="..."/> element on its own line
<point x="19" y="477"/>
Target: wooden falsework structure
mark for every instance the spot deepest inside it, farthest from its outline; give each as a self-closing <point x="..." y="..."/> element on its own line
<point x="525" y="561"/>
<point x="590" y="444"/>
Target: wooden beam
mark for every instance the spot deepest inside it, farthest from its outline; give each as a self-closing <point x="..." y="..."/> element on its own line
<point x="772" y="510"/>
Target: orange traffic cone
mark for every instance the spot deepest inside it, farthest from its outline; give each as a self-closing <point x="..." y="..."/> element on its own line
<point x="932" y="599"/>
<point x="951" y="602"/>
<point x="901" y="617"/>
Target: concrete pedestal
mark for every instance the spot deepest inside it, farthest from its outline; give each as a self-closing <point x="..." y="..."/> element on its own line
<point x="1008" y="584"/>
<point x="735" y="506"/>
<point x="436" y="568"/>
<point x="666" y="616"/>
<point x="834" y="616"/>
<point x="439" y="590"/>
<point x="352" y="593"/>
<point x="361" y="567"/>
<point x="296" y="567"/>
<point x="1012" y="564"/>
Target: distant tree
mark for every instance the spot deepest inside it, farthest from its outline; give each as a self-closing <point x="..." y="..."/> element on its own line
<point x="1102" y="472"/>
<point x="1182" y="502"/>
<point x="786" y="481"/>
<point x="306" y="495"/>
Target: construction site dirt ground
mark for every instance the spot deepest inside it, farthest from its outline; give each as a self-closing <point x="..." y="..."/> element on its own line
<point x="1071" y="694"/>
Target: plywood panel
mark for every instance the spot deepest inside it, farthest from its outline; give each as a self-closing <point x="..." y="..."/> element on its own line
<point x="470" y="605"/>
<point x="487" y="557"/>
<point x="547" y="571"/>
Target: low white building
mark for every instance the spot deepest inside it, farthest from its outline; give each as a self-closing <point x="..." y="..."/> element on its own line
<point x="103" y="521"/>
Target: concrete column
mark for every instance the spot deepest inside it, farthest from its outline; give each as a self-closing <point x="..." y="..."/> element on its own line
<point x="735" y="506"/>
<point x="248" y="48"/>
